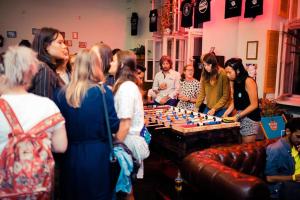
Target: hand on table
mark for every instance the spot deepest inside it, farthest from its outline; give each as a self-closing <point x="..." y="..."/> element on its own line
<point x="211" y="112"/>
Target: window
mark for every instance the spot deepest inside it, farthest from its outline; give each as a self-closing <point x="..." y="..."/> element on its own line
<point x="288" y="75"/>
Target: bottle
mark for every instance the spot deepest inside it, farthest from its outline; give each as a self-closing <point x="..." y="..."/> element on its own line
<point x="178" y="182"/>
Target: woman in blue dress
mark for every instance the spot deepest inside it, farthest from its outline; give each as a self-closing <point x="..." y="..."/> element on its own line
<point x="86" y="166"/>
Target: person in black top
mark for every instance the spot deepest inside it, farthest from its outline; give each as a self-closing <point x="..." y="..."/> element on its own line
<point x="50" y="47"/>
<point x="245" y="99"/>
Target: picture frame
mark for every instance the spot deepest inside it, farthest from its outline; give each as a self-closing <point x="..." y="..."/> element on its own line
<point x="252" y="50"/>
<point x="35" y="31"/>
<point x="68" y="43"/>
<point x="82" y="44"/>
<point x="74" y="35"/>
<point x="11" y="34"/>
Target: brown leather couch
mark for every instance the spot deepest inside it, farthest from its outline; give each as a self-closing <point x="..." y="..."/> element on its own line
<point x="233" y="173"/>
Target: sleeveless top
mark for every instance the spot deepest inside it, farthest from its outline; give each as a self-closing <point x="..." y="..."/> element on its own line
<point x="242" y="100"/>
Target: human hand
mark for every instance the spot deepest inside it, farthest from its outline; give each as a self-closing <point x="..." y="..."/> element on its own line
<point x="183" y="98"/>
<point x="224" y="115"/>
<point x="211" y="111"/>
<point x="297" y="177"/>
<point x="164" y="100"/>
<point x="162" y="86"/>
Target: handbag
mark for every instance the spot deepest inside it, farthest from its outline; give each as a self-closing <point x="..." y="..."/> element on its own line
<point x="115" y="167"/>
<point x="146" y="134"/>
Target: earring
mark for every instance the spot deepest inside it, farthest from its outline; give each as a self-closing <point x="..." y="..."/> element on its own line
<point x="237" y="71"/>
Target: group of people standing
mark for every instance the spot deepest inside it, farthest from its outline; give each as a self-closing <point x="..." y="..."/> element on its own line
<point x="34" y="88"/>
<point x="229" y="91"/>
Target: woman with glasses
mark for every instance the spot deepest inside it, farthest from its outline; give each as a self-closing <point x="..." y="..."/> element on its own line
<point x="189" y="89"/>
<point x="214" y="86"/>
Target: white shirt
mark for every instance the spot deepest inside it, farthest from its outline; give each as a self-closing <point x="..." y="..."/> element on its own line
<point x="171" y="78"/>
<point x="129" y="105"/>
<point x="30" y="109"/>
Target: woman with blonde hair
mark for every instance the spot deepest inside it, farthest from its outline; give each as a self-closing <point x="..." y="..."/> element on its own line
<point x="86" y="166"/>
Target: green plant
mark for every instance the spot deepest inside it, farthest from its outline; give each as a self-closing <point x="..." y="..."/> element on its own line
<point x="270" y="108"/>
<point x="140" y="50"/>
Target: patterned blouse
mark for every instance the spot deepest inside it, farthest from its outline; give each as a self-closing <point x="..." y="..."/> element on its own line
<point x="189" y="89"/>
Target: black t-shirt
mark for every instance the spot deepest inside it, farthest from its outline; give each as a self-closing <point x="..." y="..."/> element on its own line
<point x="233" y="8"/>
<point x="153" y="20"/>
<point x="202" y="11"/>
<point x="253" y="8"/>
<point x="186" y="9"/>
<point x="134" y="23"/>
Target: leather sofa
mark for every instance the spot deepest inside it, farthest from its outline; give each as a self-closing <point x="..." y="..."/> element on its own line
<point x="233" y="172"/>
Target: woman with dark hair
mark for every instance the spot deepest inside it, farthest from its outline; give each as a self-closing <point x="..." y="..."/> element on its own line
<point x="245" y="99"/>
<point x="214" y="86"/>
<point x="129" y="106"/>
<point x="189" y="89"/>
<point x="50" y="46"/>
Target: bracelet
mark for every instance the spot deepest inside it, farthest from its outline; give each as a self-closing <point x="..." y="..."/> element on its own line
<point x="294" y="177"/>
<point x="237" y="116"/>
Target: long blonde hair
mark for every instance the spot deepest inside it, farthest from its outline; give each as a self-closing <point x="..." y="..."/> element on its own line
<point x="88" y="71"/>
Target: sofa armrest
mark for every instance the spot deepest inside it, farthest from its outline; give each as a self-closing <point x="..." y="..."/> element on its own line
<point x="215" y="179"/>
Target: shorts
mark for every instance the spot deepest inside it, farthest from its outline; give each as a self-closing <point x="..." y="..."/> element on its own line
<point x="248" y="127"/>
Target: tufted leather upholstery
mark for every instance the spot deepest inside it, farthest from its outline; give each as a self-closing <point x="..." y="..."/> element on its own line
<point x="234" y="172"/>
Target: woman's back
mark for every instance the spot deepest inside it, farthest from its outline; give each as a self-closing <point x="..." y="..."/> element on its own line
<point x="86" y="169"/>
<point x="30" y="109"/>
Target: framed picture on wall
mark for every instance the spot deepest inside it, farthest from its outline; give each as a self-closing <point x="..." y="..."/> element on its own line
<point x="252" y="50"/>
<point x="251" y="69"/>
<point x="82" y="44"/>
<point x="68" y="43"/>
<point x="35" y="31"/>
<point x="74" y="35"/>
<point x="11" y="34"/>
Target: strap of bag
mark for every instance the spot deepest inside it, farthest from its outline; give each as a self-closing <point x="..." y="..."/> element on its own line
<point x="46" y="123"/>
<point x="102" y="89"/>
<point x="11" y="117"/>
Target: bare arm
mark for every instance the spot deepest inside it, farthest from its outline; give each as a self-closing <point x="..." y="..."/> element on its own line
<point x="59" y="140"/>
<point x="272" y="179"/>
<point x="231" y="105"/>
<point x="123" y="129"/>
<point x="252" y="93"/>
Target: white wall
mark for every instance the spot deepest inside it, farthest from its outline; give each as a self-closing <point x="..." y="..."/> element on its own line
<point x="219" y="32"/>
<point x="230" y="36"/>
<point x="142" y="7"/>
<point x="94" y="20"/>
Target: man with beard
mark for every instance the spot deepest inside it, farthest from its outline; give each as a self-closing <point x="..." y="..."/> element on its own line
<point x="283" y="164"/>
<point x="166" y="83"/>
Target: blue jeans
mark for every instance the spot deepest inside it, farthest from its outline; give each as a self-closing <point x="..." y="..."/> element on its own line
<point x="218" y="113"/>
<point x="170" y="102"/>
